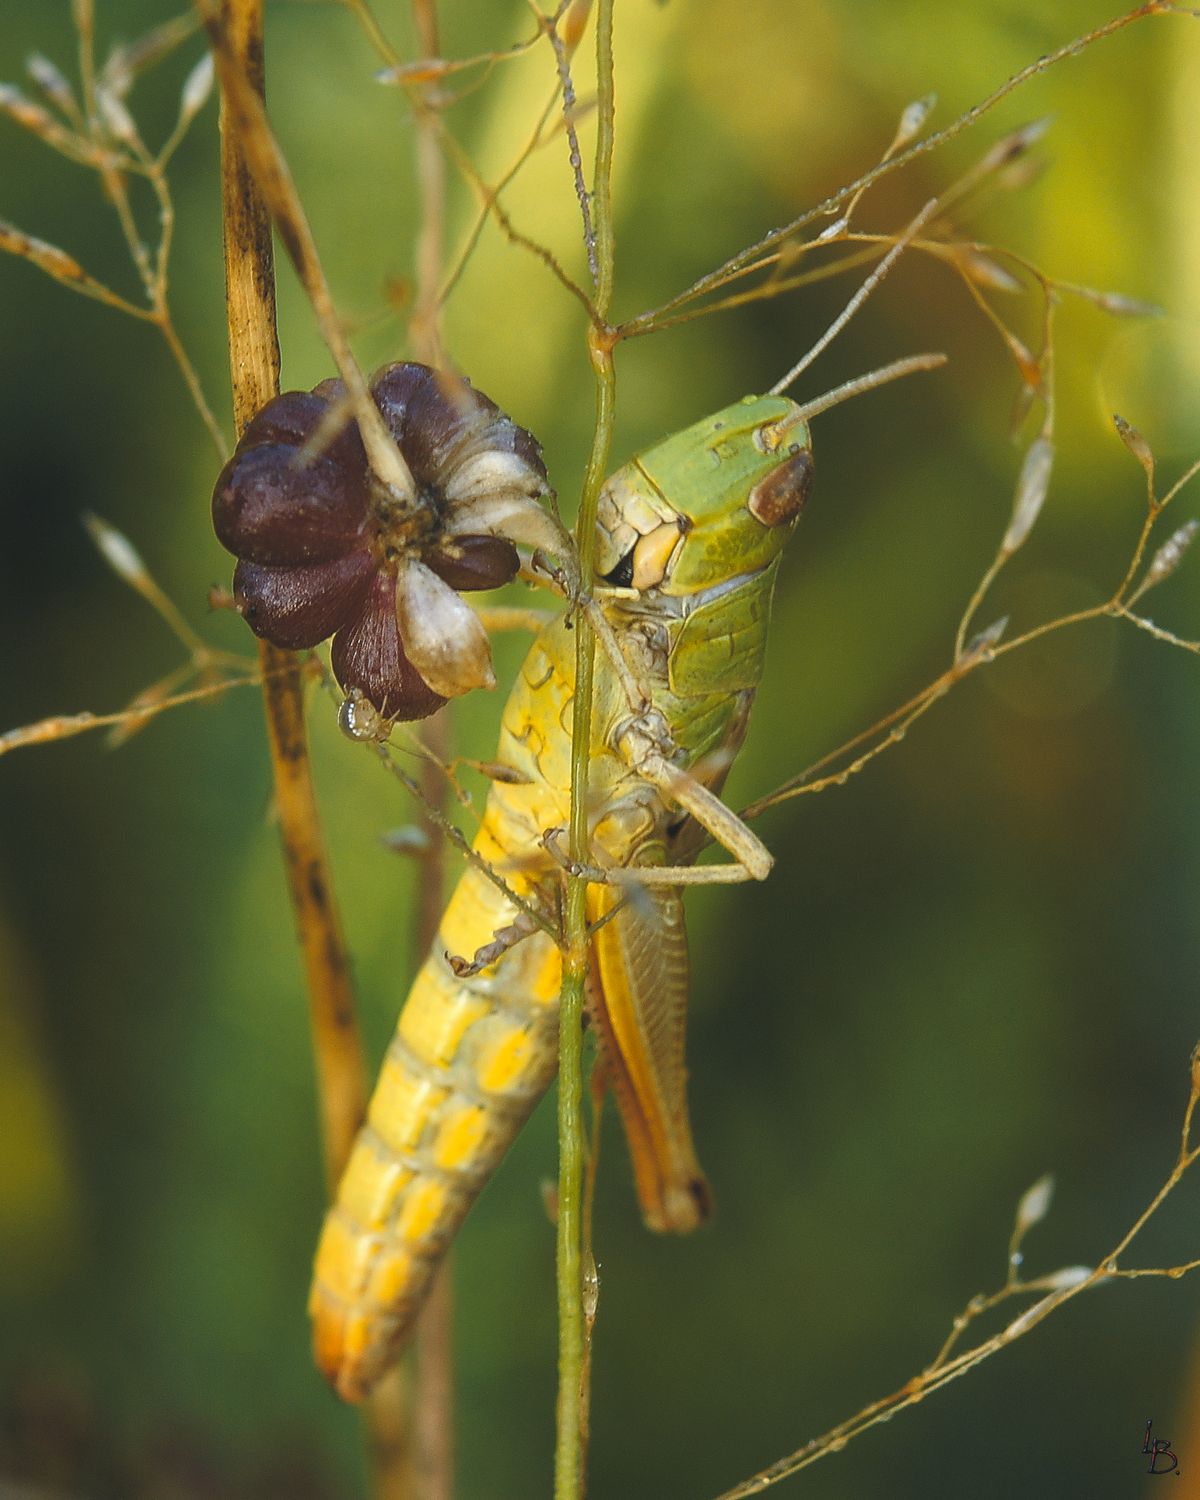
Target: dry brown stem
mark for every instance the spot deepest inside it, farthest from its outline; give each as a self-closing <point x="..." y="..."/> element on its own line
<point x="254" y="368"/>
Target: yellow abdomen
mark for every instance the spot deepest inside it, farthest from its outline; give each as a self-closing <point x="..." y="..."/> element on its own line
<point x="469" y="1060"/>
<point x="470" y="1057"/>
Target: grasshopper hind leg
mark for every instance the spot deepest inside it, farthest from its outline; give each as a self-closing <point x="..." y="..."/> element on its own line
<point x="637" y="1002"/>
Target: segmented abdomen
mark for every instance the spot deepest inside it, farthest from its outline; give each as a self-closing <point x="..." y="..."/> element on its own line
<point x="469" y="1060"/>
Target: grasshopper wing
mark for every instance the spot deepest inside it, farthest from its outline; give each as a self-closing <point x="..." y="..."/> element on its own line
<point x="638" y="998"/>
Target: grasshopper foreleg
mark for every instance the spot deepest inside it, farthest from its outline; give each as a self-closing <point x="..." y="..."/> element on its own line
<point x="635" y="696"/>
<point x="644" y="742"/>
<point x="553" y="841"/>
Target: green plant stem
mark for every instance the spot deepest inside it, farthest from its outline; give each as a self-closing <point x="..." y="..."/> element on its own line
<point x="569" y="1454"/>
<point x="602" y="179"/>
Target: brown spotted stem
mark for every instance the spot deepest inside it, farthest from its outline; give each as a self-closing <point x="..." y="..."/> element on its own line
<point x="254" y="367"/>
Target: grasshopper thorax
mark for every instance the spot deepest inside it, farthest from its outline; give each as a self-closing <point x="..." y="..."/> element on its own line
<point x="714" y="502"/>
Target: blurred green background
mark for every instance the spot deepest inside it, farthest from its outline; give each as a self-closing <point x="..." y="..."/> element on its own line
<point x="974" y="964"/>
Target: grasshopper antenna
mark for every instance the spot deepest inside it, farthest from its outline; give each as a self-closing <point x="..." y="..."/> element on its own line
<point x="861" y="383"/>
<point x="855" y="302"/>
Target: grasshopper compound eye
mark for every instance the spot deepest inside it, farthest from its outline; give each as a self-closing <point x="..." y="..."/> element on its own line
<point x="781" y="496"/>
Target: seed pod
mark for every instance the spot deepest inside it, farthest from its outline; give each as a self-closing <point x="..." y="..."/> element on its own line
<point x="442" y="636"/>
<point x="367" y="654"/>
<point x="325" y="549"/>
<point x="1032" y="485"/>
<point x="1170" y="554"/>
<point x="1034" y="1205"/>
<point x="473" y="562"/>
<point x="302" y="606"/>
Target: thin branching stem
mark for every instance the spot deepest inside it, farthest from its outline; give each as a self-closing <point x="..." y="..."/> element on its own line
<point x="192" y="380"/>
<point x="968" y="657"/>
<point x="490" y="200"/>
<point x="461" y="843"/>
<point x="1056" y="1289"/>
<point x="569" y="104"/>
<point x="431" y="183"/>
<point x="116" y="153"/>
<point x="488" y="195"/>
<point x="65" y="726"/>
<point x="715" y="280"/>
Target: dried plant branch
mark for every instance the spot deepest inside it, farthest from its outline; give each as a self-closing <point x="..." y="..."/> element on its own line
<point x="66" y="726"/>
<point x="852" y="192"/>
<point x="215" y="670"/>
<point x="273" y="181"/>
<point x="103" y="136"/>
<point x="65" y="269"/>
<point x="488" y="196"/>
<point x="1054" y="1289"/>
<point x="431" y="181"/>
<point x="254" y="363"/>
<point x="562" y="61"/>
<point x="971" y="260"/>
<point x="988" y="645"/>
<point x="414" y="75"/>
<point x="431" y="67"/>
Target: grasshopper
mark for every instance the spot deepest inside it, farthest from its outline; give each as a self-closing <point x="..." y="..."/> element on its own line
<point x="689" y="539"/>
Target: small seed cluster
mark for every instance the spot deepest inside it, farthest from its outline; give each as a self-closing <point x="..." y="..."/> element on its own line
<point x="325" y="548"/>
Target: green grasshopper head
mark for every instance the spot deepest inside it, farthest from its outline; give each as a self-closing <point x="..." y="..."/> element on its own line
<point x="710" y="503"/>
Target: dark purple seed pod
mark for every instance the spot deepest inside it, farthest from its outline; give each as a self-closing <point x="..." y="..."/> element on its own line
<point x="367" y="654"/>
<point x="325" y="550"/>
<point x="268" y="508"/>
<point x="293" y="419"/>
<point x="441" y="423"/>
<point x="474" y="562"/>
<point x="440" y="417"/>
<point x="300" y="607"/>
